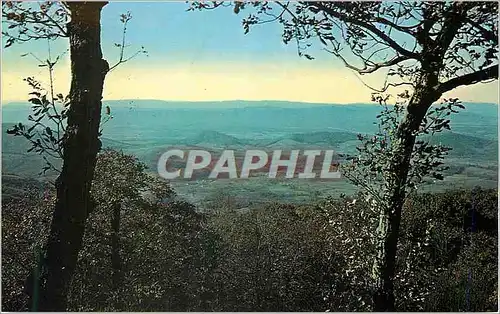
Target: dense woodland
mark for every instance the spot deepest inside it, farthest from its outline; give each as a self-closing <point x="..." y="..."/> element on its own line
<point x="279" y="257"/>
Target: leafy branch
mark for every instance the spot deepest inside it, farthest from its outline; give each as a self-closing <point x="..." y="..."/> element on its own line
<point x="124" y="19"/>
<point x="370" y="169"/>
<point x="48" y="118"/>
<point x="25" y="21"/>
<point x="46" y="131"/>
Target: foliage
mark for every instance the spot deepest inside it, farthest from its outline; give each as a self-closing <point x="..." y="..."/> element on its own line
<point x="270" y="259"/>
<point x="47" y="20"/>
<point x="25" y="224"/>
<point x="433" y="47"/>
<point x="350" y="225"/>
<point x="47" y="124"/>
<point x="375" y="153"/>
<point x="161" y="253"/>
<point x="47" y="121"/>
<point x="119" y="178"/>
<point x="122" y="178"/>
<point x="448" y="252"/>
<point x="47" y="129"/>
<point x="27" y="21"/>
<point x="77" y="144"/>
<point x="275" y="258"/>
<point x="459" y="39"/>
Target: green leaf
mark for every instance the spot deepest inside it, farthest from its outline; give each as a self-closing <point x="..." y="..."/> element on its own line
<point x="12" y="131"/>
<point x="35" y="101"/>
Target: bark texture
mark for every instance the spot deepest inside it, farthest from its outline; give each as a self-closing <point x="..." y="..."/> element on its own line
<point x="81" y="145"/>
<point x="424" y="96"/>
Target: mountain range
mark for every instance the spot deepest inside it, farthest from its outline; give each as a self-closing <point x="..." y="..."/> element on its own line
<point x="147" y="128"/>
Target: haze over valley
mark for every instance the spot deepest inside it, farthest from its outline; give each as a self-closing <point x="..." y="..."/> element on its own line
<point x="146" y="129"/>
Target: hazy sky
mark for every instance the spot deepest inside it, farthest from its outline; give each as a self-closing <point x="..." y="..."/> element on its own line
<point x="205" y="56"/>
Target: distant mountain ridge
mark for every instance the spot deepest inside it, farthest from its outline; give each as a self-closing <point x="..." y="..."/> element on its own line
<point x="175" y="104"/>
<point x="147" y="132"/>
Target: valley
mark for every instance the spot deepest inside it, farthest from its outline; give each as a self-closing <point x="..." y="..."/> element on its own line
<point x="148" y="129"/>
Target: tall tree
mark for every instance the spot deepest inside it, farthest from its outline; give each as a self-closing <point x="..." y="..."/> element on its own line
<point x="121" y="183"/>
<point x="80" y="142"/>
<point x="429" y="47"/>
<point x="70" y="133"/>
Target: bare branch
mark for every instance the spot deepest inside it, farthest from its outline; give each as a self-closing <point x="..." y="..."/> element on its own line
<point x="385" y="87"/>
<point x="404" y="29"/>
<point x="125" y="18"/>
<point x="388" y="63"/>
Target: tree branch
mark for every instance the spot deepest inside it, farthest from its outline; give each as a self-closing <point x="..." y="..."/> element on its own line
<point x="404" y="29"/>
<point x="57" y="25"/>
<point x="125" y="18"/>
<point x="372" y="28"/>
<point x="469" y="79"/>
<point x="393" y="61"/>
<point x="454" y="20"/>
<point x="487" y="34"/>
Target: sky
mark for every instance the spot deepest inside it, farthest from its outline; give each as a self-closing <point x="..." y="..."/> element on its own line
<point x="204" y="56"/>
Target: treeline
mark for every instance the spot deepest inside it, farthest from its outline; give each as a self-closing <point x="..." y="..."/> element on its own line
<point x="168" y="256"/>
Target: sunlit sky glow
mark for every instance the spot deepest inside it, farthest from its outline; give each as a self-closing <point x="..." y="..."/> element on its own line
<point x="196" y="56"/>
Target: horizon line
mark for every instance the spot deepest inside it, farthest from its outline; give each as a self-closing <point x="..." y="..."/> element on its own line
<point x="19" y="102"/>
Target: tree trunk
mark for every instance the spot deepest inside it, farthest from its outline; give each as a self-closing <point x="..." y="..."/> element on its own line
<point x="394" y="196"/>
<point x="81" y="145"/>
<point x="116" y="263"/>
